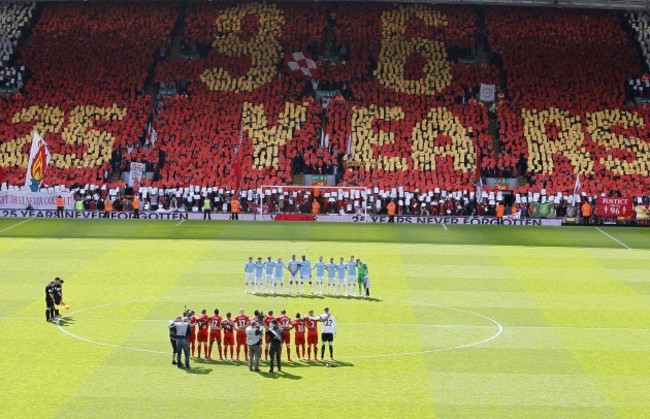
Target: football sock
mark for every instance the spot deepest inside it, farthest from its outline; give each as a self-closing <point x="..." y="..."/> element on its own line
<point x="47" y="314"/>
<point x="331" y="351"/>
<point x="288" y="353"/>
<point x="322" y="351"/>
<point x="309" y="352"/>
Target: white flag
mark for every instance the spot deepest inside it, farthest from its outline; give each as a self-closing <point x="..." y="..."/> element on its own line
<point x="39" y="158"/>
<point x="576" y="189"/>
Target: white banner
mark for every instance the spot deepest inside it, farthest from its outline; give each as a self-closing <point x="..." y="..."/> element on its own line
<point x="161" y="215"/>
<point x="39" y="158"/>
<point x="487" y="92"/>
<point x="45" y="200"/>
<point x="137" y="169"/>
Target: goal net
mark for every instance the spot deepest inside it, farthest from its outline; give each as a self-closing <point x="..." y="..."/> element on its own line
<point x="292" y="202"/>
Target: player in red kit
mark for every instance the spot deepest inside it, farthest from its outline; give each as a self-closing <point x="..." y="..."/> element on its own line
<point x="241" y="322"/>
<point x="267" y="324"/>
<point x="202" y="335"/>
<point x="312" y="335"/>
<point x="228" y="335"/>
<point x="299" y="340"/>
<point x="215" y="333"/>
<point x="286" y="325"/>
<point x="192" y="336"/>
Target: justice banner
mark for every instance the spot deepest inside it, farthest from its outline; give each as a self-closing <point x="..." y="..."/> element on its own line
<point x="614" y="208"/>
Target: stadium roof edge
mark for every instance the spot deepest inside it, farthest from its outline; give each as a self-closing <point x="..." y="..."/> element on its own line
<point x="637" y="5"/>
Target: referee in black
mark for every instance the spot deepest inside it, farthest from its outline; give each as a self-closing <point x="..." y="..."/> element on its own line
<point x="58" y="295"/>
<point x="49" y="302"/>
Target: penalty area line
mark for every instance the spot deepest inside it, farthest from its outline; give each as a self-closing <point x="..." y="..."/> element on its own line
<point x="615" y="239"/>
<point x="180" y="222"/>
<point x="445" y="227"/>
<point x="16" y="225"/>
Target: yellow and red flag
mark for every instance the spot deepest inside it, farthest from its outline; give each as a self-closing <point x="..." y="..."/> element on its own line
<point x="39" y="158"/>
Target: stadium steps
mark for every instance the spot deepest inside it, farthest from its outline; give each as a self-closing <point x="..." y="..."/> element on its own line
<point x="178" y="33"/>
<point x="298" y="179"/>
<point x="635" y="47"/>
<point x="493" y="130"/>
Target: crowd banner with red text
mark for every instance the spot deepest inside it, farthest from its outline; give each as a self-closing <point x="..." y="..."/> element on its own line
<point x="614" y="207"/>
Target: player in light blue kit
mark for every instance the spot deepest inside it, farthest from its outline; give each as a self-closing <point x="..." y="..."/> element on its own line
<point x="249" y="268"/>
<point x="340" y="274"/>
<point x="259" y="276"/>
<point x="305" y="274"/>
<point x="269" y="267"/>
<point x="351" y="284"/>
<point x="331" y="276"/>
<point x="294" y="267"/>
<point x="279" y="275"/>
<point x="320" y="275"/>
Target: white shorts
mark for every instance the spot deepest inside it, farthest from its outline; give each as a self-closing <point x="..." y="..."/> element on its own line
<point x="352" y="279"/>
<point x="269" y="278"/>
<point x="279" y="279"/>
<point x="341" y="281"/>
<point x="320" y="279"/>
<point x="258" y="279"/>
<point x="249" y="276"/>
<point x="293" y="277"/>
<point x="305" y="278"/>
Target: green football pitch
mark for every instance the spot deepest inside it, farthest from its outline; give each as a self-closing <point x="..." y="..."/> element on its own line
<point x="464" y="321"/>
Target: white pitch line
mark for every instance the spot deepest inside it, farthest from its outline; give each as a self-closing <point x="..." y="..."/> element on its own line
<point x="180" y="222"/>
<point x="16" y="225"/>
<point x="615" y="239"/>
<point x="445" y="227"/>
<point x="495" y="323"/>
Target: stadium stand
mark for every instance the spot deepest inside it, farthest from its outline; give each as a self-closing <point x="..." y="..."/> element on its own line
<point x="14" y="18"/>
<point x="566" y="108"/>
<point x="203" y="95"/>
<point x="89" y="64"/>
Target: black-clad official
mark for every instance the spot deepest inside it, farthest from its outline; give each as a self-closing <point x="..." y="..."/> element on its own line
<point x="58" y="295"/>
<point x="49" y="302"/>
<point x="275" y="335"/>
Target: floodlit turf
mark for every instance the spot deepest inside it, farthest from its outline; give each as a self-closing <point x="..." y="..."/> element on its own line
<point x="465" y="322"/>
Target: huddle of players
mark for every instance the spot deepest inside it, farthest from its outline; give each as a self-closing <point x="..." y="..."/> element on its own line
<point x="228" y="332"/>
<point x="351" y="277"/>
<point x="53" y="299"/>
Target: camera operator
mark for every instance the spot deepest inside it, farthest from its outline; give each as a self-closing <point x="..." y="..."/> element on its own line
<point x="254" y="341"/>
<point x="275" y="339"/>
<point x="182" y="344"/>
<point x="172" y="338"/>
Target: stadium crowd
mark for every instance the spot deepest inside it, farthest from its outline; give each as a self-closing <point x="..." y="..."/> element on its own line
<point x="393" y="103"/>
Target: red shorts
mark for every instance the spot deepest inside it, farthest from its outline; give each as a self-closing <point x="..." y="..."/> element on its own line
<point x="192" y="337"/>
<point x="241" y="338"/>
<point x="202" y="336"/>
<point x="286" y="338"/>
<point x="228" y="339"/>
<point x="300" y="339"/>
<point x="312" y="339"/>
<point x="215" y="335"/>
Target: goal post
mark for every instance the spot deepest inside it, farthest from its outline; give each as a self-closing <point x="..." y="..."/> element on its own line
<point x="330" y="200"/>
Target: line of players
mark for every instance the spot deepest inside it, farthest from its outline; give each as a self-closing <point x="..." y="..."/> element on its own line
<point x="229" y="334"/>
<point x="267" y="277"/>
